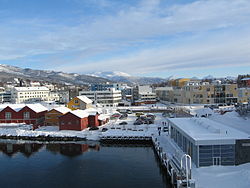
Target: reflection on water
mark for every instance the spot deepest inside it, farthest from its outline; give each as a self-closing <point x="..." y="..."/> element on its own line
<point x="79" y="165"/>
<point x="28" y="149"/>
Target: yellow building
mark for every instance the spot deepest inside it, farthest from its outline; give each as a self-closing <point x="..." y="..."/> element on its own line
<point x="179" y="82"/>
<point x="52" y="116"/>
<point x="80" y="102"/>
<point x="244" y="95"/>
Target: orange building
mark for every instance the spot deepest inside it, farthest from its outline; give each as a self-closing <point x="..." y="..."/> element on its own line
<point x="52" y="116"/>
<point x="80" y="102"/>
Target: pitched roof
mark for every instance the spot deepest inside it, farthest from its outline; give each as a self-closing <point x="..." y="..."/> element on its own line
<point x="103" y="117"/>
<point x="85" y="99"/>
<point x="92" y="111"/>
<point x="37" y="107"/>
<point x="62" y="109"/>
<point x="17" y="107"/>
<point x="80" y="113"/>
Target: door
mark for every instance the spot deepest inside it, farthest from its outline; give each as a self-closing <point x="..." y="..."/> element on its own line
<point x="216" y="161"/>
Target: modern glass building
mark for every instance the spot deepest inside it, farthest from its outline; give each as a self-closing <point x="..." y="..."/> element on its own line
<point x="209" y="142"/>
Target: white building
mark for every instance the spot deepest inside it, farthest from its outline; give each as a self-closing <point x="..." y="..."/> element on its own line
<point x="209" y="142"/>
<point x="144" y="93"/>
<point x="109" y="97"/>
<point x="29" y="94"/>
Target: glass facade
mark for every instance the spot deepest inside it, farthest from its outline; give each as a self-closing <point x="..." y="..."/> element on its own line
<point x="185" y="144"/>
<point x="204" y="155"/>
<point x="216" y="155"/>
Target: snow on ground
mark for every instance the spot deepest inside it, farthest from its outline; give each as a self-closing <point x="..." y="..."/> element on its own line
<point x="222" y="176"/>
<point x="232" y="119"/>
<point x="113" y="129"/>
<point x="205" y="177"/>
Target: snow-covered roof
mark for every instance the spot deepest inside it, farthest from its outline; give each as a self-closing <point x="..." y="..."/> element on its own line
<point x="31" y="88"/>
<point x="37" y="107"/>
<point x="92" y="111"/>
<point x="85" y="99"/>
<point x="201" y="111"/>
<point x="17" y="107"/>
<point x="103" y="117"/>
<point x="245" y="79"/>
<point x="63" y="109"/>
<point x="80" y="113"/>
<point x="206" y="131"/>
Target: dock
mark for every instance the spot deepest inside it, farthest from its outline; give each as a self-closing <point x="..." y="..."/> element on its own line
<point x="176" y="163"/>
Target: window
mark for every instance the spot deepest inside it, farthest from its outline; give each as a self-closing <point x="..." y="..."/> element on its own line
<point x="7" y="115"/>
<point x="26" y="115"/>
<point x="76" y="101"/>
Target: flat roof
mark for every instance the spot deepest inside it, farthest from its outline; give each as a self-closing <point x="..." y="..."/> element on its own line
<point x="206" y="131"/>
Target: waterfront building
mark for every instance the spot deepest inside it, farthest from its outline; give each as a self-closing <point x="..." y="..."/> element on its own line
<point x="109" y="97"/>
<point x="80" y="102"/>
<point x="52" y="116"/>
<point x="74" y="120"/>
<point x="22" y="113"/>
<point x="209" y="142"/>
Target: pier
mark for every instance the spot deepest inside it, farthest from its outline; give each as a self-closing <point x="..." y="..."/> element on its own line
<point x="176" y="163"/>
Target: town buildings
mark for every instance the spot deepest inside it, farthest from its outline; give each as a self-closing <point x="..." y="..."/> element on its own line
<point x="143" y="94"/>
<point x="74" y="120"/>
<point x="22" y="113"/>
<point x="193" y="92"/>
<point x="52" y="116"/>
<point x="80" y="102"/>
<point x="81" y="119"/>
<point x="106" y="86"/>
<point x="209" y="142"/>
<point x="109" y="97"/>
<point x="29" y="94"/>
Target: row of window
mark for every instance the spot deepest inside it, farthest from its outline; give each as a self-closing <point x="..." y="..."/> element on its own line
<point x="8" y="115"/>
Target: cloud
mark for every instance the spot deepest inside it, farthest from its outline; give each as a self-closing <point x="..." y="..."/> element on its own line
<point x="211" y="32"/>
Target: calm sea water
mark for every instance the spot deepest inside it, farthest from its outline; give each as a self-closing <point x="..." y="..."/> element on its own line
<point x="79" y="165"/>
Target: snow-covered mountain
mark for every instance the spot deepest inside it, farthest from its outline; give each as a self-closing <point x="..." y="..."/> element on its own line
<point x="208" y="77"/>
<point x="110" y="74"/>
<point x="117" y="76"/>
<point x="8" y="72"/>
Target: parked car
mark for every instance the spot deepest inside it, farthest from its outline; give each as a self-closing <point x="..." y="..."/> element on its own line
<point x="138" y="114"/>
<point x="123" y="123"/>
<point x="129" y="111"/>
<point x="138" y="122"/>
<point x="104" y="129"/>
<point x="149" y="121"/>
<point x="93" y="128"/>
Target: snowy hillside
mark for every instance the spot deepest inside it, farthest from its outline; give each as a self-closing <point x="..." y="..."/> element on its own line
<point x="9" y="72"/>
<point x="117" y="76"/>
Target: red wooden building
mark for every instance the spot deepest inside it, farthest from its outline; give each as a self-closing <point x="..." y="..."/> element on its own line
<point x="74" y="120"/>
<point x="23" y="113"/>
<point x="78" y="120"/>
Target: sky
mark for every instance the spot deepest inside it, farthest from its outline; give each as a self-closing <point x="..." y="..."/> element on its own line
<point x="160" y="38"/>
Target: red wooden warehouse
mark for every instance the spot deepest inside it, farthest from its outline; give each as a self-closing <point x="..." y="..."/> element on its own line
<point x="22" y="113"/>
<point x="74" y="120"/>
<point x="79" y="119"/>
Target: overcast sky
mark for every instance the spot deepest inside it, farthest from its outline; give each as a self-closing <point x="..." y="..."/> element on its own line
<point x="159" y="38"/>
